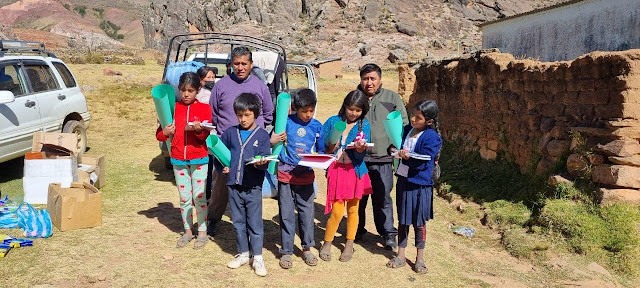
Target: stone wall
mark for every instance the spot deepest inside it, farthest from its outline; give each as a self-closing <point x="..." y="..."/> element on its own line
<point x="538" y="114"/>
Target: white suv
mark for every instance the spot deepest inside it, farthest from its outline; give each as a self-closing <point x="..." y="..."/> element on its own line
<point x="37" y="93"/>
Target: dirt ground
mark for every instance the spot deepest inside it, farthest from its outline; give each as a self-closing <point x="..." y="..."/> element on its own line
<point x="135" y="246"/>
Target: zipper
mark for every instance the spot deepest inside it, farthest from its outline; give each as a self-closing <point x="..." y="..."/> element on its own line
<point x="242" y="145"/>
<point x="185" y="134"/>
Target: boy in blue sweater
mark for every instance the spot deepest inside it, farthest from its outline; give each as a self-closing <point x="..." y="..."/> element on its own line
<point x="245" y="141"/>
<point x="295" y="182"/>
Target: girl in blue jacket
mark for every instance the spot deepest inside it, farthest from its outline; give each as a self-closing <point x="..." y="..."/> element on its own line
<point x="414" y="190"/>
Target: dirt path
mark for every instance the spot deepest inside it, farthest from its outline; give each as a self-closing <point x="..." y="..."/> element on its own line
<point x="141" y="221"/>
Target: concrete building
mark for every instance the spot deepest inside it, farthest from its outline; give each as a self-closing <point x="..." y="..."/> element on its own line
<point x="567" y="30"/>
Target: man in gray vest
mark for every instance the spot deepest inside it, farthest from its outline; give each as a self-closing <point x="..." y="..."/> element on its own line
<point x="379" y="162"/>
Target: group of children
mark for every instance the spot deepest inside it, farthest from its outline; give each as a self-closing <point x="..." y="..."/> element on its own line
<point x="347" y="177"/>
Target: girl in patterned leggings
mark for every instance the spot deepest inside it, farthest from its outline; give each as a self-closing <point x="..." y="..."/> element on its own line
<point x="189" y="157"/>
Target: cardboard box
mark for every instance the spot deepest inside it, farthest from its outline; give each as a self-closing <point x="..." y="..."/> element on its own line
<point x="68" y="141"/>
<point x="53" y="160"/>
<point x="91" y="170"/>
<point x="79" y="206"/>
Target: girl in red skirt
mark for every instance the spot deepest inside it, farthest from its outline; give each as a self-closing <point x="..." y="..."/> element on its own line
<point x="347" y="178"/>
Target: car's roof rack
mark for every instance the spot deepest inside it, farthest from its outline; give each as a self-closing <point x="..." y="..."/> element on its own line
<point x="23" y="47"/>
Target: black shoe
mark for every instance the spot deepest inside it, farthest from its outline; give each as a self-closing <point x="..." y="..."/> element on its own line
<point x="360" y="235"/>
<point x="211" y="227"/>
<point x="390" y="242"/>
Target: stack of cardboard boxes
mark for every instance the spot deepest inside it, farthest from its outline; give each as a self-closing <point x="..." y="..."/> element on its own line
<point x="56" y="174"/>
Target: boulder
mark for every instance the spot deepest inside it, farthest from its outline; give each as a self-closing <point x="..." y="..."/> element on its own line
<point x="616" y="175"/>
<point x="408" y="29"/>
<point x="544" y="166"/>
<point x="612" y="196"/>
<point x="595" y="159"/>
<point x="397" y="55"/>
<point x="111" y="72"/>
<point x="630" y="161"/>
<point x="577" y="164"/>
<point x="556" y="148"/>
<point x="557" y="179"/>
<point x="622" y="148"/>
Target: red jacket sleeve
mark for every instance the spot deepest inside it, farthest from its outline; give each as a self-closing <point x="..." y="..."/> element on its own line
<point x="159" y="135"/>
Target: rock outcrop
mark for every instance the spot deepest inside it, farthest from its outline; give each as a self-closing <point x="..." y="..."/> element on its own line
<point x="315" y="29"/>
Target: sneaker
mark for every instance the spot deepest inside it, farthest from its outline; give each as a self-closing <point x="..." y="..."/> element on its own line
<point x="390" y="242"/>
<point x="259" y="268"/>
<point x="360" y="235"/>
<point x="238" y="260"/>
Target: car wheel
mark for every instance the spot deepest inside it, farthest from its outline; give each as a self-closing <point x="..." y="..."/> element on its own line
<point x="76" y="127"/>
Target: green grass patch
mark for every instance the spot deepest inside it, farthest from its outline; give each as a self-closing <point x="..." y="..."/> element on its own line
<point x="505" y="213"/>
<point x="488" y="180"/>
<point x="523" y="244"/>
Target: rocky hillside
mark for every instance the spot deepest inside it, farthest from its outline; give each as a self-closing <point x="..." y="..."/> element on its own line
<point x="359" y="31"/>
<point x="75" y="24"/>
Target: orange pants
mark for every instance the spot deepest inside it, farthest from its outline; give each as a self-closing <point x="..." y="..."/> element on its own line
<point x="336" y="216"/>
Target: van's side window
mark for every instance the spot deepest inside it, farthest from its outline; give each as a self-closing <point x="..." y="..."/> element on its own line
<point x="10" y="79"/>
<point x="66" y="75"/>
<point x="41" y="78"/>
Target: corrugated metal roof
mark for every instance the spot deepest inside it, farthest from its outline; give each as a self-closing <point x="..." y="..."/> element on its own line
<point x="530" y="12"/>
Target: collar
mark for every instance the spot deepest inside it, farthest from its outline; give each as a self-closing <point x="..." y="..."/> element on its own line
<point x="374" y="95"/>
<point x="237" y="80"/>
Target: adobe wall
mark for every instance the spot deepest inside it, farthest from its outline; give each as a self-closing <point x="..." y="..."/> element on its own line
<point x="537" y="113"/>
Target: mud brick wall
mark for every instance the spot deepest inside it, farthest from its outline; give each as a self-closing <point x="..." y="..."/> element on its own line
<point x="538" y="114"/>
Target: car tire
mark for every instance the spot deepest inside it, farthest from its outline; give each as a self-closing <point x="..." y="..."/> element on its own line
<point x="76" y="127"/>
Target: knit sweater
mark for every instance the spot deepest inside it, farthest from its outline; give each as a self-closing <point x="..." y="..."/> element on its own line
<point x="226" y="91"/>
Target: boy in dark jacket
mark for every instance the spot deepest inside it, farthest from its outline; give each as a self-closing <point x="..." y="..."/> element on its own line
<point x="245" y="141"/>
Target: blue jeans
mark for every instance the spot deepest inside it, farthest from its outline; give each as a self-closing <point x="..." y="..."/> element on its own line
<point x="291" y="198"/>
<point x="246" y="214"/>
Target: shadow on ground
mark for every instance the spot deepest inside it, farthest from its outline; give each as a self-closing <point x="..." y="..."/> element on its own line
<point x="11" y="170"/>
<point x="161" y="172"/>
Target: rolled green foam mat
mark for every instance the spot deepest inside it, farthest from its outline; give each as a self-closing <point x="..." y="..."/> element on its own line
<point x="219" y="150"/>
<point x="393" y="126"/>
<point x="283" y="104"/>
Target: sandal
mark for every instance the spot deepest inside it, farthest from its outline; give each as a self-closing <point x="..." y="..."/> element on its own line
<point x="184" y="240"/>
<point x="200" y="242"/>
<point x="325" y="256"/>
<point x="286" y="262"/>
<point x="346" y="257"/>
<point x="309" y="258"/>
<point x="396" y="262"/>
<point x="420" y="267"/>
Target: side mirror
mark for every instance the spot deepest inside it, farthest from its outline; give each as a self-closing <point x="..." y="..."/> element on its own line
<point x="6" y="97"/>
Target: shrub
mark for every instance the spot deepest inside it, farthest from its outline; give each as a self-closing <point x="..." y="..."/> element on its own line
<point x="81" y="9"/>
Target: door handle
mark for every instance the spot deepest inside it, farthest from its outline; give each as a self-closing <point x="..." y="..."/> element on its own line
<point x="62" y="97"/>
<point x="29" y="104"/>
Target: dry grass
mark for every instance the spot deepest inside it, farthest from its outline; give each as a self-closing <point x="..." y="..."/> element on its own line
<point x="135" y="244"/>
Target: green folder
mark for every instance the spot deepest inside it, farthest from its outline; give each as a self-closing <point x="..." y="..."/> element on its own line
<point x="283" y="104"/>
